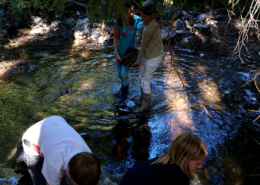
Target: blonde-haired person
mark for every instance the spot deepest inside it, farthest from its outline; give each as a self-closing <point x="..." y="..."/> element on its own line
<point x="125" y="28"/>
<point x="185" y="155"/>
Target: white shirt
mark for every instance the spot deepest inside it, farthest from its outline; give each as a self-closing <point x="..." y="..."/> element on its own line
<point x="55" y="140"/>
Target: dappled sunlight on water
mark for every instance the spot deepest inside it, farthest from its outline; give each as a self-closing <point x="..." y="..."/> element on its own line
<point x="81" y="83"/>
<point x="209" y="92"/>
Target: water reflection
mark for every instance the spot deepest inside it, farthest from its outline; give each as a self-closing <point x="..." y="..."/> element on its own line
<point x="80" y="84"/>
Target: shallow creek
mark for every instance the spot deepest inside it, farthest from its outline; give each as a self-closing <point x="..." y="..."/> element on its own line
<point x="65" y="78"/>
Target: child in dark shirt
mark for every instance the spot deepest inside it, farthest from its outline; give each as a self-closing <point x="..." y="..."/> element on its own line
<point x="184" y="156"/>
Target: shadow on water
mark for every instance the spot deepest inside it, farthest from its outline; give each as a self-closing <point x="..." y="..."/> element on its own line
<point x="66" y="78"/>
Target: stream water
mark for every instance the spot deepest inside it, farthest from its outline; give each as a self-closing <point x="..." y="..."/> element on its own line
<point x="80" y="84"/>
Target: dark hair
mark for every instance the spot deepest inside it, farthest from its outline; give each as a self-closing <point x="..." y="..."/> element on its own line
<point x="148" y="8"/>
<point x="119" y="20"/>
<point x="84" y="168"/>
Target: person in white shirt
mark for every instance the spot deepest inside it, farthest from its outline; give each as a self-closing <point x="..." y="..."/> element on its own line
<point x="53" y="149"/>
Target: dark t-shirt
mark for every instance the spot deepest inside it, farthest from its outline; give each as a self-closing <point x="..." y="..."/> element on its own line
<point x="156" y="174"/>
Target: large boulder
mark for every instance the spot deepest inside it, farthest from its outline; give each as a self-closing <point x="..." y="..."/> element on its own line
<point x="82" y="29"/>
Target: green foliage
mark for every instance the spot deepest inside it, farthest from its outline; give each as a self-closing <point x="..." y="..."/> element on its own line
<point x="20" y="6"/>
<point x="98" y="10"/>
<point x="58" y="4"/>
<point x="2" y="21"/>
<point x="107" y="10"/>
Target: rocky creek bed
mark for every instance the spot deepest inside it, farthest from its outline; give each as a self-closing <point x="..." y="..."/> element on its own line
<point x="222" y="109"/>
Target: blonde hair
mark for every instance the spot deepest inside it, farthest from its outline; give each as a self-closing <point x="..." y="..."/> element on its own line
<point x="184" y="148"/>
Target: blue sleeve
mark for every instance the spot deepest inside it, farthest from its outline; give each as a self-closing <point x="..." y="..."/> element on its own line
<point x="138" y="19"/>
<point x="140" y="27"/>
<point x="139" y="23"/>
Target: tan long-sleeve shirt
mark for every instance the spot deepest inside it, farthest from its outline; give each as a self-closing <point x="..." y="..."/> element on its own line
<point x="152" y="45"/>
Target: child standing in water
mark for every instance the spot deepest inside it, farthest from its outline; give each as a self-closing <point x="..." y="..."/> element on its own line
<point x="151" y="50"/>
<point x="185" y="155"/>
<point x="125" y="28"/>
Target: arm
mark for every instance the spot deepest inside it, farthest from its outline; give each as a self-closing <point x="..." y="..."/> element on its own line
<point x="144" y="44"/>
<point x="116" y="33"/>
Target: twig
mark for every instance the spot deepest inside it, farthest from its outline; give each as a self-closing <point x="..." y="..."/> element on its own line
<point x="253" y="110"/>
<point x="257" y="118"/>
<point x="247" y="22"/>
<point x="254" y="173"/>
<point x="255" y="140"/>
<point x="258" y="72"/>
<point x="136" y="3"/>
<point x="206" y="110"/>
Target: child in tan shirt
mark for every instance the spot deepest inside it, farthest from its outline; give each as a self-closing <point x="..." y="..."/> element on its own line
<point x="151" y="50"/>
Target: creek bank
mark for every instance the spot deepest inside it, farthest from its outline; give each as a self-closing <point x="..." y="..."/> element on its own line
<point x="202" y="33"/>
<point x="234" y="94"/>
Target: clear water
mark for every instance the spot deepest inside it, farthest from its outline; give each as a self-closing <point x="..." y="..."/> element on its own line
<point x="65" y="78"/>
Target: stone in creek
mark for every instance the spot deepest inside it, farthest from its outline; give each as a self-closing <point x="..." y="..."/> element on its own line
<point x="219" y="18"/>
<point x="201" y="17"/>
